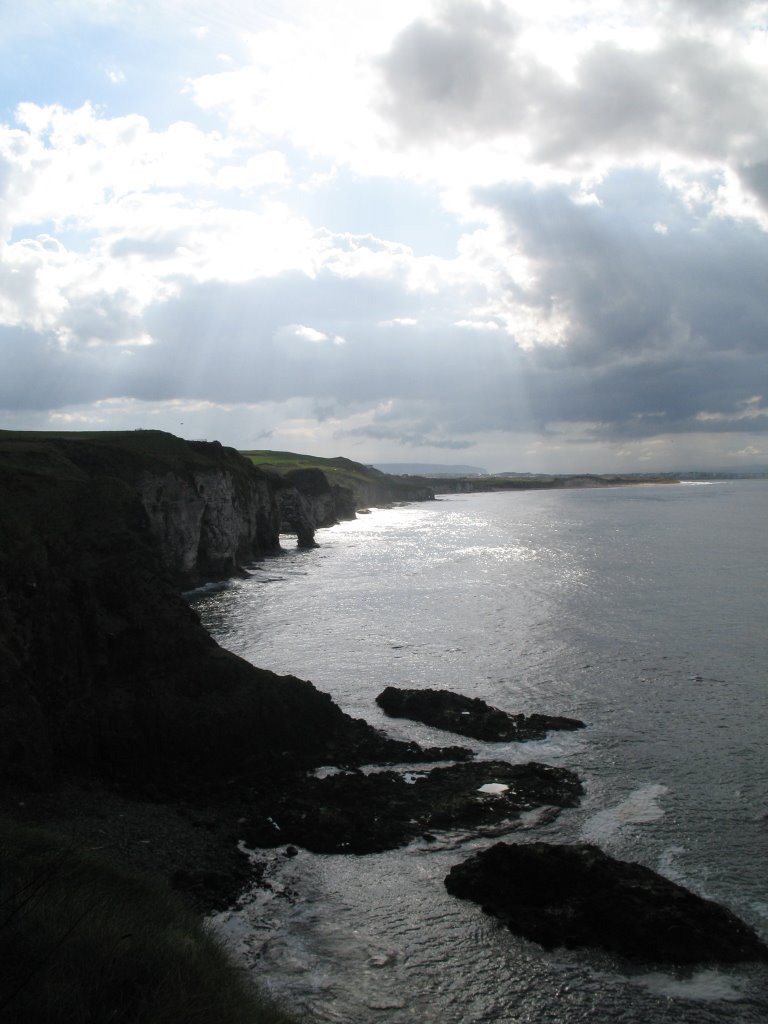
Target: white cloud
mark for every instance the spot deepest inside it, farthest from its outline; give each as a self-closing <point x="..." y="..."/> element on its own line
<point x="68" y="166"/>
<point x="305" y="333"/>
<point x="747" y="453"/>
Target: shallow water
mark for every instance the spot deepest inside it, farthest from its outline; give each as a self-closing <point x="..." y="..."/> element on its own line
<point x="641" y="610"/>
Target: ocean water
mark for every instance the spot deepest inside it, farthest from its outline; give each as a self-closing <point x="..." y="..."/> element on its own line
<point x="643" y="611"/>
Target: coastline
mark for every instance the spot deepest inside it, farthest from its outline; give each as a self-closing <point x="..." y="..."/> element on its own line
<point x="173" y="811"/>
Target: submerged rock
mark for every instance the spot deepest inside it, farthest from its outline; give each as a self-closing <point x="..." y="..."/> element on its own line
<point x="468" y="716"/>
<point x="354" y="812"/>
<point x="578" y="895"/>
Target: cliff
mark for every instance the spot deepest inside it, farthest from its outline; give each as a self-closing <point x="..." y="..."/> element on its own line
<point x="104" y="668"/>
<point x="210" y="513"/>
<point x="308" y="501"/>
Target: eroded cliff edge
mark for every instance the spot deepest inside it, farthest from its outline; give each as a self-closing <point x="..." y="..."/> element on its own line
<point x="104" y="668"/>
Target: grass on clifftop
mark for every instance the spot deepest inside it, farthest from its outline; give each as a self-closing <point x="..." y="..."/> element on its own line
<point x="339" y="470"/>
<point x="145" y="448"/>
<point x="83" y="942"/>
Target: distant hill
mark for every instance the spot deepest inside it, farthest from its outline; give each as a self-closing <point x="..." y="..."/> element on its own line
<point x="428" y="469"/>
<point x="743" y="472"/>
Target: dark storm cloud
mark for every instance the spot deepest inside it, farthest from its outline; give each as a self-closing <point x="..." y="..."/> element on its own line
<point x="710" y="10"/>
<point x="755" y="177"/>
<point x="239" y="343"/>
<point x="687" y="97"/>
<point x="668" y="332"/>
<point x="426" y="434"/>
<point x="637" y="273"/>
<point x="668" y="315"/>
<point x="37" y="374"/>
<point x="458" y="74"/>
<point x="467" y="73"/>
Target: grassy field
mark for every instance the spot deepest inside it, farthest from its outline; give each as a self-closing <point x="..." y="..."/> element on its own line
<point x="84" y="942"/>
<point x="148" y="447"/>
<point x="339" y="470"/>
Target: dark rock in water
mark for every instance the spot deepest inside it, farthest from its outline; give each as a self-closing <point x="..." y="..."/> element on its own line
<point x="353" y="812"/>
<point x="579" y="896"/>
<point x="468" y="716"/>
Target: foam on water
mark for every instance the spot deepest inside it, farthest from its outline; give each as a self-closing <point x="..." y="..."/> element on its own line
<point x="640" y="808"/>
<point x="703" y="986"/>
<point x="668" y="864"/>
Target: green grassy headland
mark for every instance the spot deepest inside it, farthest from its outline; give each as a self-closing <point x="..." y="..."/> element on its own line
<point x="339" y="470"/>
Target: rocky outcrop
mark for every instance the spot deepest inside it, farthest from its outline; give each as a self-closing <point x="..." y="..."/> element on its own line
<point x="469" y="716"/>
<point x="307" y="502"/>
<point x="296" y="515"/>
<point x="318" y="494"/>
<point x="344" y="502"/>
<point x="356" y="812"/>
<point x="579" y="896"/>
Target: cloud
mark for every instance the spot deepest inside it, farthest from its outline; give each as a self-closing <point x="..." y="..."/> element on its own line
<point x="460" y="72"/>
<point x="755" y="177"/>
<point x="440" y="226"/>
<point x="303" y="333"/>
<point x="470" y="72"/>
<point x="625" y="289"/>
<point x="657" y="334"/>
<point x="711" y="10"/>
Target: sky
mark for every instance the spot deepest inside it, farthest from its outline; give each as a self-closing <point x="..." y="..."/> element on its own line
<point x="526" y="236"/>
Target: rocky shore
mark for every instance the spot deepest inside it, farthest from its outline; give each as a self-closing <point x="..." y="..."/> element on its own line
<point x="128" y="728"/>
<point x="366" y="812"/>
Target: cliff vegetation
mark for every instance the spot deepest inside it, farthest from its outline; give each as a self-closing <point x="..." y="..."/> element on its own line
<point x="83" y="940"/>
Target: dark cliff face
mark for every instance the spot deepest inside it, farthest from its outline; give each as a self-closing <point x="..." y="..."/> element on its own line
<point x="103" y="665"/>
<point x="314" y="487"/>
<point x="208" y="508"/>
<point x="308" y="501"/>
<point x="370" y="487"/>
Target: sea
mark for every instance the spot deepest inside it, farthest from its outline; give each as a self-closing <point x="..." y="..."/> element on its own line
<point x="643" y="611"/>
